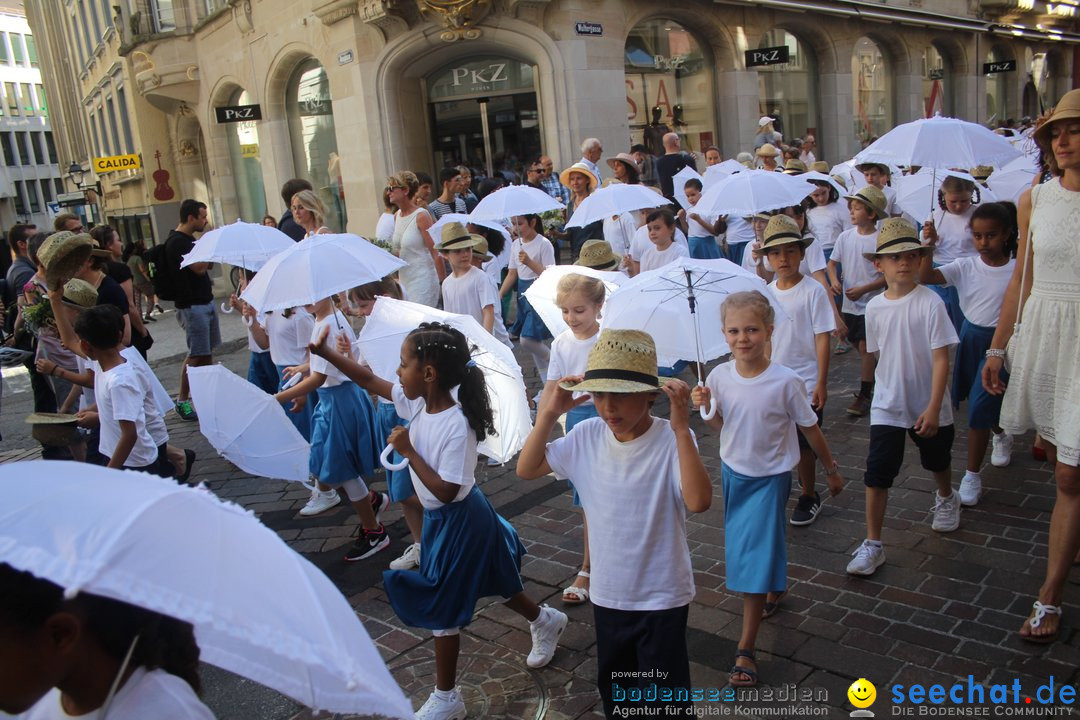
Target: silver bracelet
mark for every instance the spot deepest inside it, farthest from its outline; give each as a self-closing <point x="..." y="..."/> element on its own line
<point x="995" y="353"/>
<point x="831" y="470"/>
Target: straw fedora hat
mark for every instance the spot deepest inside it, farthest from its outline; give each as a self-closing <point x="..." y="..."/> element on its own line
<point x="782" y="230"/>
<point x="982" y="172"/>
<point x="820" y="166"/>
<point x="597" y="254"/>
<point x="480" y="250"/>
<point x="564" y="176"/>
<point x="456" y="237"/>
<point x="626" y="159"/>
<point x="621" y="361"/>
<point x="873" y="198"/>
<point x="767" y="150"/>
<point x="794" y="167"/>
<point x="840" y="179"/>
<point x="896" y="236"/>
<point x="53" y="429"/>
<point x="1067" y="108"/>
<point x="885" y="169"/>
<point x="80" y="294"/>
<point x="63" y="254"/>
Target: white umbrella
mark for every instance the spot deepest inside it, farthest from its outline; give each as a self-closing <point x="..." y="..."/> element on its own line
<point x="515" y="200"/>
<point x="753" y="191"/>
<point x="615" y="199"/>
<point x="1011" y="184"/>
<point x="667" y="303"/>
<point x="246" y="245"/>
<point x="541" y="294"/>
<point x="722" y="170"/>
<point x="259" y="609"/>
<point x="435" y="231"/>
<point x="679" y="183"/>
<point x="391" y="320"/>
<point x="939" y="142"/>
<point x="247" y="426"/>
<point x="915" y="193"/>
<point x="316" y="268"/>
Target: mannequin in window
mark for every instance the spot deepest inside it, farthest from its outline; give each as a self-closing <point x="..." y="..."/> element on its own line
<point x="655" y="132"/>
<point x="680" y="127"/>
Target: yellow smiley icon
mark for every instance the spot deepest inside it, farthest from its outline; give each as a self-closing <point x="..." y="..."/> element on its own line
<point x="862" y="693"/>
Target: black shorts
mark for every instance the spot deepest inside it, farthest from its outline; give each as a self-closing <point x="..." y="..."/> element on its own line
<point x="802" y="439"/>
<point x="886" y="453"/>
<point x="856" y="327"/>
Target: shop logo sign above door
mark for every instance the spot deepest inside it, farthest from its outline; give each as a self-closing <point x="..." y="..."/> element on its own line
<point x="768" y="56"/>
<point x="589" y="28"/>
<point x="1001" y="66"/>
<point x="238" y="113"/>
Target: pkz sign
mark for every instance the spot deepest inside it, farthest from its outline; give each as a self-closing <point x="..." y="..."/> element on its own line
<point x="998" y="67"/>
<point x="238" y="113"/>
<point x="768" y="56"/>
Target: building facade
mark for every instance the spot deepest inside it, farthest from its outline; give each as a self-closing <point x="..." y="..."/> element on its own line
<point x="30" y="174"/>
<point x="230" y="98"/>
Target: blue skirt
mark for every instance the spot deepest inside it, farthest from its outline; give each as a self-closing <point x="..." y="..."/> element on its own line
<point x="262" y="373"/>
<point x="342" y="435"/>
<point x="952" y="303"/>
<point x="703" y="248"/>
<point x="755" y="551"/>
<point x="984" y="409"/>
<point x="735" y="251"/>
<point x="573" y="417"/>
<point x="528" y="323"/>
<point x="302" y="419"/>
<point x="398" y="482"/>
<point x="470" y="552"/>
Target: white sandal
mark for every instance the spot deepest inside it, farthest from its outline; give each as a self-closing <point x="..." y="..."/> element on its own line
<point x="575" y="595"/>
<point x="1041" y="611"/>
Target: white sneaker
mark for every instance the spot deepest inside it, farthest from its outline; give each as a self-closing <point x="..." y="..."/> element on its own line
<point x="970" y="489"/>
<point x="492" y="462"/>
<point x="409" y="560"/>
<point x="946" y="513"/>
<point x="868" y="558"/>
<point x="320" y="502"/>
<point x="437" y="708"/>
<point x="1001" y="449"/>
<point x="546" y="630"/>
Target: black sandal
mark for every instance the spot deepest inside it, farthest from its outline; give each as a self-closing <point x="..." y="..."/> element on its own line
<point x="189" y="456"/>
<point x="737" y="669"/>
<point x="771" y="608"/>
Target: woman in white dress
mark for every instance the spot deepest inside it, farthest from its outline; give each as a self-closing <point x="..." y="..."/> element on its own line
<point x="1044" y="388"/>
<point x="423" y="276"/>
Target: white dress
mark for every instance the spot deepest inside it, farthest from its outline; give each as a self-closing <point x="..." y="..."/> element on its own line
<point x="1044" y="387"/>
<point x="419" y="279"/>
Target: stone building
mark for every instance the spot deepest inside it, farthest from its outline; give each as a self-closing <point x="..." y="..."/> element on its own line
<point x="237" y="96"/>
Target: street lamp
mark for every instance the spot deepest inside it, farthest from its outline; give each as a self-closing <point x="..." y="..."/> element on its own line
<point x="77" y="174"/>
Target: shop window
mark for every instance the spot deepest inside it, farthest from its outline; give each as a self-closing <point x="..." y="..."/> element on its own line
<point x="788" y="91"/>
<point x="669" y="86"/>
<point x="246" y="163"/>
<point x="998" y="101"/>
<point x="871" y="88"/>
<point x="314" y="142"/>
<point x="935" y="100"/>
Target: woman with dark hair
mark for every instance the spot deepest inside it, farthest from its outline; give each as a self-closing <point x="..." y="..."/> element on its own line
<point x="489" y="185"/>
<point x="108" y="239"/>
<point x="62" y="657"/>
<point x="140" y="280"/>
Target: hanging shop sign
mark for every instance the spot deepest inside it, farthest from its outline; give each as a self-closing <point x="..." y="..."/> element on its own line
<point x="238" y="113"/>
<point x="768" y="56"/>
<point x="1001" y="66"/>
<point x="117" y="162"/>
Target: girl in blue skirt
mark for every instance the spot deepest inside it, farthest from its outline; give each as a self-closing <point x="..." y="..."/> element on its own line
<point x="530" y="254"/>
<point x="286" y="334"/>
<point x="979" y="283"/>
<point x="700" y="232"/>
<point x="759" y="405"/>
<point x="469" y="550"/>
<point x="343" y="447"/>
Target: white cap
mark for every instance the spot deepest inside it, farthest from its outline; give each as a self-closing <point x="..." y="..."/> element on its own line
<point x="765" y="120"/>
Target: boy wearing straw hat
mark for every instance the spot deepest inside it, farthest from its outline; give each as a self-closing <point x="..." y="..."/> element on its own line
<point x="880" y="176"/>
<point x="909" y="329"/>
<point x="467" y="290"/>
<point x="631" y="464"/>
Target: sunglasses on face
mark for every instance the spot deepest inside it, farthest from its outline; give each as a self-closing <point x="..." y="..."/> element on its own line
<point x="392" y="188"/>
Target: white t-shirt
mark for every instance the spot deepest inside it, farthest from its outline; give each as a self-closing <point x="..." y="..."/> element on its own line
<point x="86" y="399"/>
<point x="499" y="328"/>
<point x="760" y="414"/>
<point x="539" y="249"/>
<point x="695" y="228"/>
<point x="890" y="200"/>
<point x="857" y="270"/>
<point x="981" y="287"/>
<point x="905" y="333"/>
<point x="794" y="343"/>
<point x="954" y="236"/>
<point x="570" y="356"/>
<point x="641" y="242"/>
<point x="813" y="258"/>
<point x="121" y="395"/>
<point x="444" y="440"/>
<point x="155" y="694"/>
<point x="497" y="264"/>
<point x="739" y="230"/>
<point x="289" y="336"/>
<point x="384" y="228"/>
<point x="643" y="564"/>
<point x="469" y="294"/>
<point x="338" y="326"/>
<point x="828" y="221"/>
<point x="619" y="231"/>
<point x="162" y="399"/>
<point x="654" y="258"/>
<point x="252" y="345"/>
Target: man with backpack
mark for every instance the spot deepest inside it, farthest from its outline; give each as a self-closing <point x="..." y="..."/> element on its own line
<point x="191" y="290"/>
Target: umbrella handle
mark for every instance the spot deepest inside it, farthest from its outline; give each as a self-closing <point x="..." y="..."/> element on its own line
<point x="226" y="308"/>
<point x="384" y="458"/>
<point x="711" y="412"/>
<point x="249" y="321"/>
<point x="291" y="381"/>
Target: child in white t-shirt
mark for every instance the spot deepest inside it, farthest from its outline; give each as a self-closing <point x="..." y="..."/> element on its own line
<point x="828" y="217"/>
<point x="879" y="175"/>
<point x="261" y="371"/>
<point x="802" y="343"/>
<point x="285" y="335"/>
<point x="664" y="249"/>
<point x="626" y="463"/>
<point x="466" y="290"/>
<point x="631" y="262"/>
<point x="480" y="256"/>
<point x="530" y="253"/>
<point x="948" y="229"/>
<point x="910" y="331"/>
<point x="759" y="407"/>
<point x="700" y="232"/>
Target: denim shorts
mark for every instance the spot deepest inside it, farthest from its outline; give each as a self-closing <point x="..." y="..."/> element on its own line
<point x="200" y="322"/>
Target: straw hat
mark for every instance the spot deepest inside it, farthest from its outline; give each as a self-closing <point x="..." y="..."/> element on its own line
<point x="794" y="167"/>
<point x="745" y="158"/>
<point x="820" y="166"/>
<point x="982" y="172"/>
<point x="1067" y="108"/>
<point x="53" y="429"/>
<point x="863" y="167"/>
<point x="63" y="254"/>
<point x="782" y="230"/>
<point x="621" y="361"/>
<point x="626" y="159"/>
<point x="80" y="294"/>
<point x="456" y="237"/>
<point x="564" y="176"/>
<point x="480" y="250"/>
<point x="896" y="236"/>
<point x="840" y="179"/>
<point x="873" y="198"/>
<point x="597" y="254"/>
<point x="767" y="150"/>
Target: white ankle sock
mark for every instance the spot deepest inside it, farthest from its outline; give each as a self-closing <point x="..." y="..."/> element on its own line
<point x="445" y="694"/>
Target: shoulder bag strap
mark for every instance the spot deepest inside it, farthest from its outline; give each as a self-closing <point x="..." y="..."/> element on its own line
<point x="1029" y="250"/>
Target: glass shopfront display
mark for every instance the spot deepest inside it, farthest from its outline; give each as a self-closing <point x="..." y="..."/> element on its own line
<point x="788" y="91"/>
<point x="872" y="91"/>
<point x="314" y="142"/>
<point x="246" y="164"/>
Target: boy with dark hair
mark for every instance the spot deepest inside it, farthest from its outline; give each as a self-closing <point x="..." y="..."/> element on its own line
<point x="448" y="201"/>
